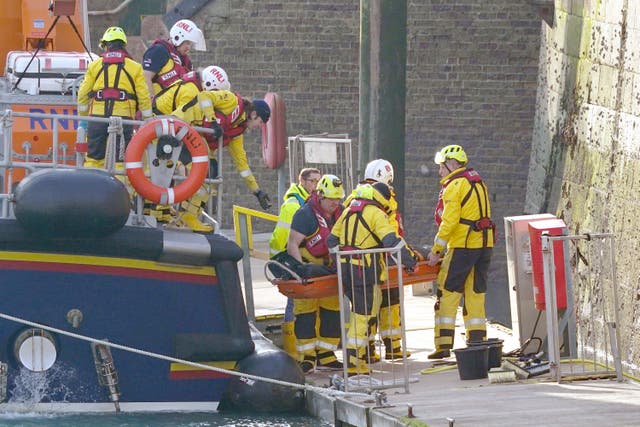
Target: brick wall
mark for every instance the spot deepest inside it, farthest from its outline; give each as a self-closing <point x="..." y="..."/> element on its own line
<point x="471" y="80"/>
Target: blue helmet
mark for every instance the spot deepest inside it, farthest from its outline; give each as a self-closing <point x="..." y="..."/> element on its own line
<point x="262" y="108"/>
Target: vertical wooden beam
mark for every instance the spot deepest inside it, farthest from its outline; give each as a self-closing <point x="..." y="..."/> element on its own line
<point x="383" y="57"/>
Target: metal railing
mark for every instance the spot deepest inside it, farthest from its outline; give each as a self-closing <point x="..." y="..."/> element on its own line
<point x="330" y="153"/>
<point x="378" y="379"/>
<point x="243" y="226"/>
<point x="65" y="155"/>
<point x="592" y="337"/>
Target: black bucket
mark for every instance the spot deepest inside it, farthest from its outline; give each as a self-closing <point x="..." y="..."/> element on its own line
<point x="473" y="362"/>
<point x="495" y="350"/>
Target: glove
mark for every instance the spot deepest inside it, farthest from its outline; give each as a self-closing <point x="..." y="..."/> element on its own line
<point x="217" y="130"/>
<point x="83" y="124"/>
<point x="263" y="198"/>
<point x="408" y="261"/>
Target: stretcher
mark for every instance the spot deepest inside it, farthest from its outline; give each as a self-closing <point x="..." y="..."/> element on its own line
<point x="325" y="286"/>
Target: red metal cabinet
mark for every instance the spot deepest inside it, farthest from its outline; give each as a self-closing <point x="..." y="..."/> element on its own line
<point x="554" y="227"/>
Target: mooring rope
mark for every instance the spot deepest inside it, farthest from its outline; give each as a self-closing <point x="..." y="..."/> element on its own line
<point x="323" y="390"/>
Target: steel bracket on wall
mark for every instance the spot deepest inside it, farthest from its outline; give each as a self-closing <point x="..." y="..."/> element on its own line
<point x="185" y="9"/>
<point x="546" y="10"/>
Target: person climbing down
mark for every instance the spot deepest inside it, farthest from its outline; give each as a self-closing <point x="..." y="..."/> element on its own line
<point x="229" y="115"/>
<point x="165" y="103"/>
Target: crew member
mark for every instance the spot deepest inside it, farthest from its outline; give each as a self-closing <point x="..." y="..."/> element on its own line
<point x="465" y="230"/>
<point x="113" y="86"/>
<point x="365" y="225"/>
<point x="388" y="319"/>
<point x="317" y="320"/>
<point x="293" y="199"/>
<point x="231" y="116"/>
<point x="179" y="93"/>
<point x="166" y="61"/>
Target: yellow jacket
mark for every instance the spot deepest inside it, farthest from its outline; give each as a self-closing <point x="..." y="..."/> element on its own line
<point x="131" y="82"/>
<point x="176" y="95"/>
<point x="293" y="199"/>
<point x="466" y="201"/>
<point x="205" y="106"/>
<point x="391" y="209"/>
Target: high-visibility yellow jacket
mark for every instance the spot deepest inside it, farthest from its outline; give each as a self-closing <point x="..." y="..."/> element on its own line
<point x="391" y="208"/>
<point x="293" y="199"/>
<point x="131" y="86"/>
<point x="175" y="95"/>
<point x="464" y="201"/>
<point x="205" y="106"/>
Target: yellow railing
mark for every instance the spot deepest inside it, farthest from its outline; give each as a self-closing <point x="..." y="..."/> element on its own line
<point x="239" y="226"/>
<point x="243" y="228"/>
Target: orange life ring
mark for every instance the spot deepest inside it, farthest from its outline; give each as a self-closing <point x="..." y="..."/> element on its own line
<point x="274" y="132"/>
<point x="190" y="139"/>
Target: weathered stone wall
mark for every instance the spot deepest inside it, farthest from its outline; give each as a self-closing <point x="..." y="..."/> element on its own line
<point x="471" y="80"/>
<point x="585" y="153"/>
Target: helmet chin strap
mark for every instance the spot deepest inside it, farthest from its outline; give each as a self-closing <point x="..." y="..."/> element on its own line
<point x="447" y="166"/>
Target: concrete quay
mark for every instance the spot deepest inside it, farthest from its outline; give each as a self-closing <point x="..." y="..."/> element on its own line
<point x="441" y="398"/>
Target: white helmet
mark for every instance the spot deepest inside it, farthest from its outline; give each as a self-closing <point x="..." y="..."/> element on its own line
<point x="379" y="170"/>
<point x="186" y="30"/>
<point x="215" y="78"/>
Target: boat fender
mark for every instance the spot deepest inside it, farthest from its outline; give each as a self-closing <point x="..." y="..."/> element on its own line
<point x="248" y="395"/>
<point x="189" y="137"/>
<point x="274" y="132"/>
<point x="71" y="203"/>
<point x="223" y="249"/>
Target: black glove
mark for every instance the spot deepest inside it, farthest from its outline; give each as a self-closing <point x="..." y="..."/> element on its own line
<point x="263" y="198"/>
<point x="408" y="261"/>
<point x="217" y="130"/>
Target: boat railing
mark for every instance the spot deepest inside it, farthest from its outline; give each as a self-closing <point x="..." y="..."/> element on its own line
<point x="69" y="154"/>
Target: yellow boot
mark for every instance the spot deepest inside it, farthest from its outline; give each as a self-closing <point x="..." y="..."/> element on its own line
<point x="190" y="211"/>
<point x="355" y="364"/>
<point x="192" y="221"/>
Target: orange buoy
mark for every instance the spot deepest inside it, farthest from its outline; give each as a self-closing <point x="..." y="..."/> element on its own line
<point x="190" y="139"/>
<point x="274" y="132"/>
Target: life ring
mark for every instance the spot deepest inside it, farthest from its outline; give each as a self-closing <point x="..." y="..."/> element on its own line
<point x="190" y="139"/>
<point x="274" y="132"/>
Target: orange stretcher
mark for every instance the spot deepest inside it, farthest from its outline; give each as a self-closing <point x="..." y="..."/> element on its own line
<point x="325" y="286"/>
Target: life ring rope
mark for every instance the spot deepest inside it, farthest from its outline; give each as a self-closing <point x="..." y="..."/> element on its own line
<point x="189" y="137"/>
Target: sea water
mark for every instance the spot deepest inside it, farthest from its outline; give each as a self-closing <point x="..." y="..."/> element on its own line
<point x="31" y="387"/>
<point x="161" y="419"/>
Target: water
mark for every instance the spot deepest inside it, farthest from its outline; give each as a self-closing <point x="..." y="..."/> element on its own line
<point x="161" y="419"/>
<point x="35" y="387"/>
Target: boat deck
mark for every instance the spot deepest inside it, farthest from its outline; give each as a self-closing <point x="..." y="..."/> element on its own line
<point x="441" y="398"/>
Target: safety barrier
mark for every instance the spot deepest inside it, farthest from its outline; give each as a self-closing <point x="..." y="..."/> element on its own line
<point x="70" y="154"/>
<point x="590" y="338"/>
<point x="330" y="153"/>
<point x="382" y="375"/>
<point x="243" y="226"/>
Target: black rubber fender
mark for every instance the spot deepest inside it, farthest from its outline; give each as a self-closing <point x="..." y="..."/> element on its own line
<point x="71" y="203"/>
<point x="248" y="395"/>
